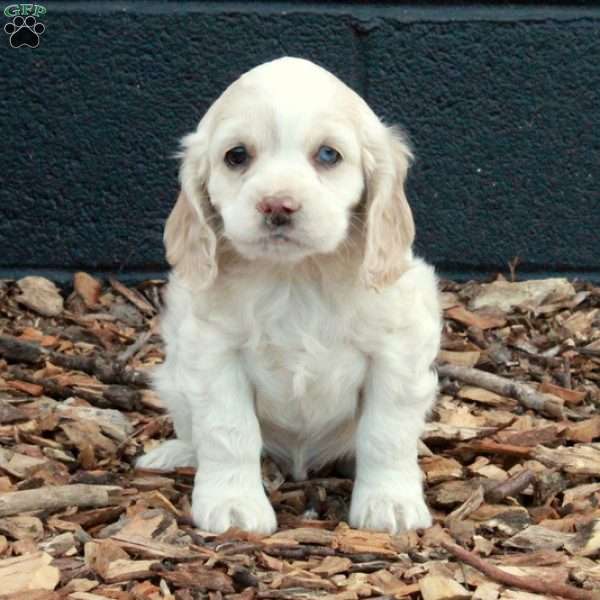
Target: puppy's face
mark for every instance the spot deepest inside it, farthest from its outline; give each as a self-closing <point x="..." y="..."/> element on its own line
<point x="284" y="165"/>
<point x="278" y="166"/>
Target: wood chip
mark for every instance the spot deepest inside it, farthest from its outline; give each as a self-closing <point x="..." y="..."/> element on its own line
<point x="471" y="319"/>
<point x="507" y="295"/>
<point x="442" y="588"/>
<point x="483" y="396"/>
<point x="40" y="295"/>
<point x="331" y="565"/>
<point x="113" y="564"/>
<point x="22" y="527"/>
<point x="31" y="389"/>
<point x="29" y="572"/>
<point x="355" y="541"/>
<point x="536" y="537"/>
<point x="583" y="459"/>
<point x="463" y="359"/>
<point x="196" y="576"/>
<point x="573" y="397"/>
<point x="88" y="288"/>
<point x="304" y="535"/>
<point x="440" y="468"/>
<point x="488" y="590"/>
<point x="584" y="431"/>
<point x="587" y="540"/>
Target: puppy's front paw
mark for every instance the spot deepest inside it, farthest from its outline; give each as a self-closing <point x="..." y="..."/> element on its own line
<point x="388" y="510"/>
<point x="217" y="511"/>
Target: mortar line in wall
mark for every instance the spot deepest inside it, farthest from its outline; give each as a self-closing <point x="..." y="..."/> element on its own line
<point x="360" y="36"/>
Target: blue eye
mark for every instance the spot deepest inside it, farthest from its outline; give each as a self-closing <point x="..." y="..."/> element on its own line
<point x="329" y="156"/>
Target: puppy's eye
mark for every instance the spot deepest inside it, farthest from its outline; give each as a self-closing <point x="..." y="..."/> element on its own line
<point x="326" y="155"/>
<point x="237" y="157"/>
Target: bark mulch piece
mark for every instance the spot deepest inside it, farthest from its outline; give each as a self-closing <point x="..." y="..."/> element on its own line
<point x="511" y="458"/>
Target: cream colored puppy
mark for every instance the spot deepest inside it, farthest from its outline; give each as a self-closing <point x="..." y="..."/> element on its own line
<point x="298" y="321"/>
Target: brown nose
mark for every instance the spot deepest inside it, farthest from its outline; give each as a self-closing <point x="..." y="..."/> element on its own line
<point x="271" y="205"/>
<point x="277" y="211"/>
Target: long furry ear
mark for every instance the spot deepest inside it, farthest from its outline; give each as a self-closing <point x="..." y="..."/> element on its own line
<point x="190" y="241"/>
<point x="390" y="228"/>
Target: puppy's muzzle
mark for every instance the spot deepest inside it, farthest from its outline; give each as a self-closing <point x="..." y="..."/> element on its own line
<point x="277" y="212"/>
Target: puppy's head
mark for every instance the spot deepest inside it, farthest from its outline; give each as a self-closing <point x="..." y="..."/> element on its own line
<point x="289" y="163"/>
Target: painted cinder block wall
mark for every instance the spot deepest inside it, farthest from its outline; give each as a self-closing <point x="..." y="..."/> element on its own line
<point x="502" y="103"/>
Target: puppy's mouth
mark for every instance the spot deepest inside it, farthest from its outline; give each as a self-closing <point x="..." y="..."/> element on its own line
<point x="281" y="238"/>
<point x="279" y="246"/>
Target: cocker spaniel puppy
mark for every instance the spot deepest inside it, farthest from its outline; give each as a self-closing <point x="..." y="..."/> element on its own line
<point x="298" y="322"/>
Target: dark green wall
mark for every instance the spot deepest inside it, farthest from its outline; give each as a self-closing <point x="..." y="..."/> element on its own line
<point x="502" y="104"/>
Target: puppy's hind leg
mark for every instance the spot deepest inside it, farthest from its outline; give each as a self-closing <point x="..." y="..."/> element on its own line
<point x="178" y="452"/>
<point x="168" y="456"/>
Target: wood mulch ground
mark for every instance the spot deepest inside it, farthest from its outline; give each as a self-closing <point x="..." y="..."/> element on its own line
<point x="511" y="459"/>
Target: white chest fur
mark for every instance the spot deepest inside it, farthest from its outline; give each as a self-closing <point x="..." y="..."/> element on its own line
<point x="303" y="346"/>
<point x="307" y="385"/>
<point x="306" y="370"/>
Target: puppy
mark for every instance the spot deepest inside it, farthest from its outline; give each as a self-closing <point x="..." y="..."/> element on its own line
<point x="298" y="322"/>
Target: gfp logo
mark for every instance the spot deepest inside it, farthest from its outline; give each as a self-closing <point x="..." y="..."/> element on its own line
<point x="24" y="29"/>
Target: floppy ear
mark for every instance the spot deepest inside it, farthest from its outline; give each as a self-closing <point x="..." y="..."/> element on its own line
<point x="190" y="241"/>
<point x="390" y="229"/>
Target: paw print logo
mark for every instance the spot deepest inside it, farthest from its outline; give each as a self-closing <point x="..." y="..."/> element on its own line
<point x="24" y="32"/>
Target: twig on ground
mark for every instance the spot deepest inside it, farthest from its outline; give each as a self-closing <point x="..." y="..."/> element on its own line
<point x="588" y="352"/>
<point x="511" y="487"/>
<point x="133" y="296"/>
<point x="106" y="370"/>
<point x="58" y="497"/>
<point x="522" y="392"/>
<point x="487" y="446"/>
<point x="538" y="586"/>
<point x="112" y="396"/>
<point x="124" y="356"/>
